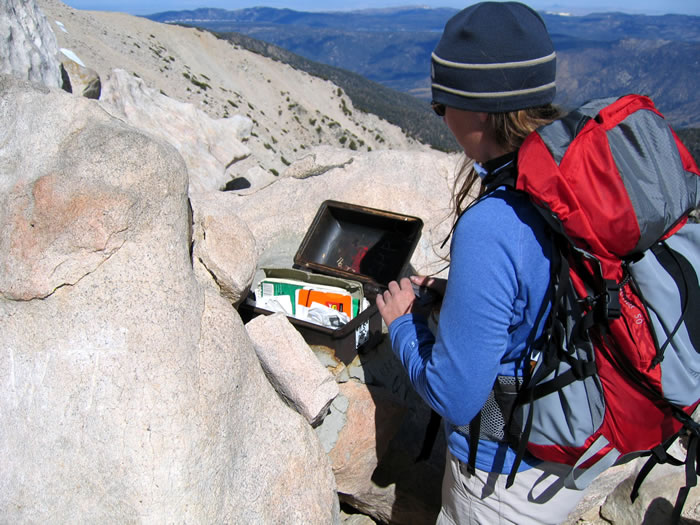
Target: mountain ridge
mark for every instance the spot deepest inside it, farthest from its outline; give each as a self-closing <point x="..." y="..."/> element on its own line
<point x="654" y="55"/>
<point x="412" y="115"/>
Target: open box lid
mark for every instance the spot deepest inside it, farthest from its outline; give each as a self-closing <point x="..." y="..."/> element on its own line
<point x="360" y="243"/>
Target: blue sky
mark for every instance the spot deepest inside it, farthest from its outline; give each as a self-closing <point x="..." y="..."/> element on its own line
<point x="141" y="7"/>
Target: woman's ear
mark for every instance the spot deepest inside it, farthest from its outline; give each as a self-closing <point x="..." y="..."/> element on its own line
<point x="483" y="117"/>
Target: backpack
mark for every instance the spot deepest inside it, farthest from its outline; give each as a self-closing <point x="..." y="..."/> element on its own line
<point x="616" y="373"/>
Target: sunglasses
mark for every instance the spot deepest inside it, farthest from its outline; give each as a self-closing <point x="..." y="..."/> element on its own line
<point x="439" y="109"/>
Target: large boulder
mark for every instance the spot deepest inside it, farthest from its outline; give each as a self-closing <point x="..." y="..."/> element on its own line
<point x="28" y="48"/>
<point x="130" y="392"/>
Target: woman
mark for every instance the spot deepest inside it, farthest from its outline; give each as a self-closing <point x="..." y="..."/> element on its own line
<point x="493" y="75"/>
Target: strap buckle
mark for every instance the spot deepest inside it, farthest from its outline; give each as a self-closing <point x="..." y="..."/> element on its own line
<point x="613" y="308"/>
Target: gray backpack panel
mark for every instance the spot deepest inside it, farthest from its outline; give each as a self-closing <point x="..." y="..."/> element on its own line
<point x="667" y="281"/>
<point x="657" y="184"/>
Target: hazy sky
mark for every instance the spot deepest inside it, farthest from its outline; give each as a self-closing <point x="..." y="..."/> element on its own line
<point x="141" y="7"/>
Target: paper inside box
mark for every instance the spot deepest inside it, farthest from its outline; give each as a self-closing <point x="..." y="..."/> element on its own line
<point x="320" y="299"/>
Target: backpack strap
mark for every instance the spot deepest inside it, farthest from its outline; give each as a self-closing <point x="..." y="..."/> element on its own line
<point x="522" y="444"/>
<point x="577" y="481"/>
<point x="431" y="432"/>
<point x="501" y="171"/>
<point x="692" y="467"/>
<point x="558" y="344"/>
<point x="659" y="455"/>
<point x="474" y="431"/>
<point x="558" y="268"/>
<point x="553" y="346"/>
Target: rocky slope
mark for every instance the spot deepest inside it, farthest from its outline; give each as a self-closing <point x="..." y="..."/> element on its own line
<point x="290" y="111"/>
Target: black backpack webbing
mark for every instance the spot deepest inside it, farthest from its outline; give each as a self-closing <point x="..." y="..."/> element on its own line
<point x="680" y="270"/>
<point x="659" y="455"/>
<point x="553" y="345"/>
<point x="580" y="369"/>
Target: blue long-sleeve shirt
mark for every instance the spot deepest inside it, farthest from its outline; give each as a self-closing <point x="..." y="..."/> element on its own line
<point x="499" y="276"/>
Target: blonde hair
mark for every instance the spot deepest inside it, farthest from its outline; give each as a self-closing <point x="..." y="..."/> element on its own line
<point x="510" y="130"/>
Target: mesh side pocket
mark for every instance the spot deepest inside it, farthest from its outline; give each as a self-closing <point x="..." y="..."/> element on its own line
<point x="497" y="410"/>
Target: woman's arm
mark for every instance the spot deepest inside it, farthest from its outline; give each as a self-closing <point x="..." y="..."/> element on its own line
<point x="455" y="372"/>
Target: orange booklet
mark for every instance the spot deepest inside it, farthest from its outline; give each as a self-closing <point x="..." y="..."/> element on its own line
<point x="340" y="302"/>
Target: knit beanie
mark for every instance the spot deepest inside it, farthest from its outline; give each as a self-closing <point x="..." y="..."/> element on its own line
<point x="494" y="57"/>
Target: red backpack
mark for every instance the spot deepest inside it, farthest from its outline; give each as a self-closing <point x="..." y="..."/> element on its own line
<point x="617" y="372"/>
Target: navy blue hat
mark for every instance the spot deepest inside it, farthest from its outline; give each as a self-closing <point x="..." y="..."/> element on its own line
<point x="494" y="57"/>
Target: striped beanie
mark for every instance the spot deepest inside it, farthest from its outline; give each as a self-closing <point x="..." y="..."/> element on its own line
<point x="494" y="57"/>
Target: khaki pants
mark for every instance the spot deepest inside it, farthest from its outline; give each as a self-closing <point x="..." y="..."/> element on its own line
<point x="537" y="496"/>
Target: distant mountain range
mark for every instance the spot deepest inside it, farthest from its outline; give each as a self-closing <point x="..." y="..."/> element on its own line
<point x="600" y="26"/>
<point x="598" y="55"/>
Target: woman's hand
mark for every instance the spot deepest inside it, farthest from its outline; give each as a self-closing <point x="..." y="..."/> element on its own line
<point x="396" y="301"/>
<point x="400" y="298"/>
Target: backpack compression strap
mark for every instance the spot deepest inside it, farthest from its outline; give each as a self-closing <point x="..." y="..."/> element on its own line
<point x="659" y="454"/>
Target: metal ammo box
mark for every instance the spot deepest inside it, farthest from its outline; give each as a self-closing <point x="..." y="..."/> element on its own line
<point x="367" y="246"/>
